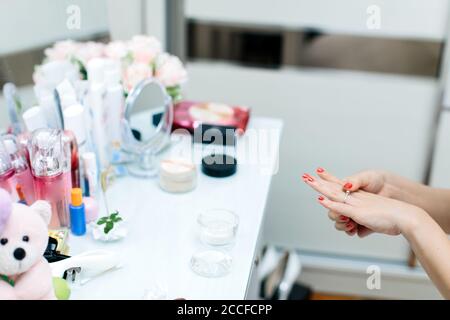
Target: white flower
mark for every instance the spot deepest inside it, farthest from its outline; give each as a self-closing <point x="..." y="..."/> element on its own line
<point x="135" y="73"/>
<point x="89" y="50"/>
<point x="62" y="50"/>
<point x="116" y="50"/>
<point x="144" y="48"/>
<point x="170" y="70"/>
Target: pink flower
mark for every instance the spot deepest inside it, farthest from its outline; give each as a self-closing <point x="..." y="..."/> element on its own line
<point x="62" y="50"/>
<point x="135" y="73"/>
<point x="89" y="50"/>
<point x="170" y="70"/>
<point x="144" y="48"/>
<point x="116" y="50"/>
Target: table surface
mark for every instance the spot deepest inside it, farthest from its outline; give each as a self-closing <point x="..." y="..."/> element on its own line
<point x="163" y="233"/>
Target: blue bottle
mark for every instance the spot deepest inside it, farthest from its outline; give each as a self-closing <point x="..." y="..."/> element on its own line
<point x="77" y="213"/>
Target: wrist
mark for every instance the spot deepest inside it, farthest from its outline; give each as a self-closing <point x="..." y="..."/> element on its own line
<point x="412" y="222"/>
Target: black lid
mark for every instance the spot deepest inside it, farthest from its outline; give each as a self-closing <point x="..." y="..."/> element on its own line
<point x="219" y="165"/>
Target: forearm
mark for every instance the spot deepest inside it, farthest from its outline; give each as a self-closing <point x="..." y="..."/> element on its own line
<point x="432" y="247"/>
<point x="434" y="201"/>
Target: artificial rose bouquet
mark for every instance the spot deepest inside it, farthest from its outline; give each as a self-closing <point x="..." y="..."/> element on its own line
<point x="141" y="57"/>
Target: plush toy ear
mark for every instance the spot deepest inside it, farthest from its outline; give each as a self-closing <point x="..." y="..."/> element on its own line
<point x="43" y="209"/>
<point x="5" y="208"/>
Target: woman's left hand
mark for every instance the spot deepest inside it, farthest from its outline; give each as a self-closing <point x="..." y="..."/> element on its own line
<point x="369" y="212"/>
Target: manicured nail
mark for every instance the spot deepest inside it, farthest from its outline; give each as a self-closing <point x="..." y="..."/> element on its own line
<point x="349" y="225"/>
<point x="320" y="170"/>
<point x="343" y="218"/>
<point x="321" y="198"/>
<point x="310" y="179"/>
<point x="348" y="186"/>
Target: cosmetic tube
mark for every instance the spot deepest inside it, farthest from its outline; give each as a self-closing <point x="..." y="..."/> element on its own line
<point x="23" y="176"/>
<point x="96" y="96"/>
<point x="47" y="159"/>
<point x="91" y="174"/>
<point x="114" y="108"/>
<point x="7" y="179"/>
<point x="77" y="213"/>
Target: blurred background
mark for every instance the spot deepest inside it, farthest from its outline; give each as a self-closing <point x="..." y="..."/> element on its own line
<point x="352" y="94"/>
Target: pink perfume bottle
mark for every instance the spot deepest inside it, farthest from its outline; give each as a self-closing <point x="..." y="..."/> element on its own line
<point x="7" y="179"/>
<point x="23" y="176"/>
<point x="47" y="157"/>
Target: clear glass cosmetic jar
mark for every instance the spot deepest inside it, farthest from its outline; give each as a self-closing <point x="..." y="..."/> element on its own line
<point x="218" y="227"/>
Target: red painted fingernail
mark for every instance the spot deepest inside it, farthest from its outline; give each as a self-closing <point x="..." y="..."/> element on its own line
<point x="310" y="179"/>
<point x="348" y="225"/>
<point x="348" y="186"/>
<point x="320" y="170"/>
<point x="343" y="218"/>
<point x="321" y="198"/>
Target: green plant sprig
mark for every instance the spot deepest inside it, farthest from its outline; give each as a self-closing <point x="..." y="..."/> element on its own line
<point x="109" y="221"/>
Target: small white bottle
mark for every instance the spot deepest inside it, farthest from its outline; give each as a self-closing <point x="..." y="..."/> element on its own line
<point x="114" y="105"/>
<point x="96" y="104"/>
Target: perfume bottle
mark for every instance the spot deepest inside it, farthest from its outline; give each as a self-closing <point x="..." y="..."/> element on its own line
<point x="23" y="176"/>
<point x="72" y="164"/>
<point x="48" y="161"/>
<point x="7" y="179"/>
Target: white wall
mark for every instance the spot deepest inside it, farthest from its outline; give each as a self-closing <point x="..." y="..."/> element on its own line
<point x="343" y="121"/>
<point x="399" y="18"/>
<point x="28" y="24"/>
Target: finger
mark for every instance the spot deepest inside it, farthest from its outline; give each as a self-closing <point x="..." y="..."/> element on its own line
<point x="328" y="189"/>
<point x="337" y="217"/>
<point x="357" y="181"/>
<point x="363" y="231"/>
<point x="325" y="175"/>
<point x="339" y="207"/>
<point x="343" y="226"/>
<point x="352" y="232"/>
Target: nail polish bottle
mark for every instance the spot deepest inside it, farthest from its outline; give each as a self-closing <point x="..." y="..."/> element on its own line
<point x="77" y="213"/>
<point x="23" y="175"/>
<point x="48" y="163"/>
<point x="7" y="179"/>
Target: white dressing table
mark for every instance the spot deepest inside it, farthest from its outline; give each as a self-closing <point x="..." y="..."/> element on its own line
<point x="163" y="233"/>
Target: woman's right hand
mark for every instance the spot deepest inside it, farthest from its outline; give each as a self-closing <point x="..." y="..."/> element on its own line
<point x="372" y="181"/>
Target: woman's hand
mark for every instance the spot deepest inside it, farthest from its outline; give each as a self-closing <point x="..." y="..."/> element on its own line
<point x="368" y="212"/>
<point x="373" y="181"/>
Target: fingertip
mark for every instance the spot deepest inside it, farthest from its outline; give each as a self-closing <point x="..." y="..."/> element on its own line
<point x="320" y="170"/>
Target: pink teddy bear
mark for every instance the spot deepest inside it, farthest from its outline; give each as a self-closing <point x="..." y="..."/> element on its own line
<point x="24" y="272"/>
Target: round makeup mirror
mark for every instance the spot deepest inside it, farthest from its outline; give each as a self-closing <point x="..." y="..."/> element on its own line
<point x="146" y="126"/>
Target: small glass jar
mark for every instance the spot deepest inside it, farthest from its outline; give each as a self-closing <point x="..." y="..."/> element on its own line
<point x="218" y="227"/>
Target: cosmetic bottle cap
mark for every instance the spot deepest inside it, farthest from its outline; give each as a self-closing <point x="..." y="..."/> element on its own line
<point x="76" y="197"/>
<point x="74" y="121"/>
<point x="5" y="160"/>
<point x="56" y="71"/>
<point x="10" y="145"/>
<point x="34" y="118"/>
<point x="46" y="153"/>
<point x="112" y="73"/>
<point x="67" y="94"/>
<point x="89" y="161"/>
<point x="95" y="69"/>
